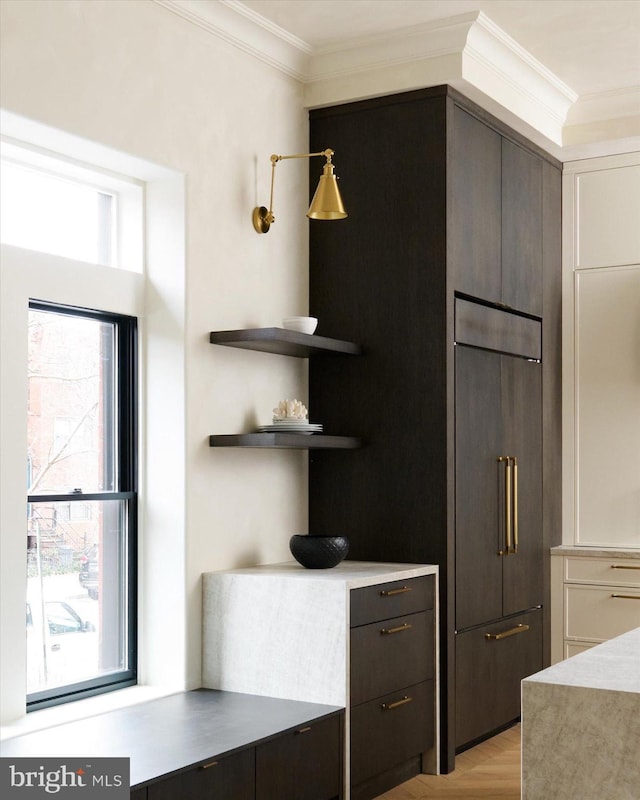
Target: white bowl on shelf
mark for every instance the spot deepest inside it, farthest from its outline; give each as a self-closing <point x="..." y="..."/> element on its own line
<point x="300" y="324"/>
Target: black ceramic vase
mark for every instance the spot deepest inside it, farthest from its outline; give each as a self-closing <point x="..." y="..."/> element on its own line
<point x="318" y="552"/>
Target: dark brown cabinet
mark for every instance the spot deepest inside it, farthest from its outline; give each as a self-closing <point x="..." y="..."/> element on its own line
<point x="392" y="686"/>
<point x="453" y="235"/>
<point x="302" y="765"/>
<point x="232" y="777"/>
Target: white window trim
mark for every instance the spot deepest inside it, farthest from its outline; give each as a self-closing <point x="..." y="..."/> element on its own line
<point x="127" y="193"/>
<point x="157" y="297"/>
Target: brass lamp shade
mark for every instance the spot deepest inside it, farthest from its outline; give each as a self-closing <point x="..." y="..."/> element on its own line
<point x="327" y="203"/>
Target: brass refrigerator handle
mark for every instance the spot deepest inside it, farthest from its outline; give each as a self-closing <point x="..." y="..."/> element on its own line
<point x="495" y="637"/>
<point x="389" y="706"/>
<point x="507" y="505"/>
<point x="514" y="489"/>
<point x="510" y="505"/>
<point x="391" y="592"/>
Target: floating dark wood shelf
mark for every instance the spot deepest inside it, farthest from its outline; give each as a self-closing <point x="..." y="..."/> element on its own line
<point x="291" y="441"/>
<point x="284" y="342"/>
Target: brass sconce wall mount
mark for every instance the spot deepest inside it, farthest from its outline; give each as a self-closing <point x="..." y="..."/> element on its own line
<point x="326" y="203"/>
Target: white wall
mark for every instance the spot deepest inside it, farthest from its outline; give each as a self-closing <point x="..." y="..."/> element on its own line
<point x="131" y="75"/>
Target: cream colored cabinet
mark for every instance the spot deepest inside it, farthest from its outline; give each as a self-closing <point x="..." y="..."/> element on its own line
<point x="595" y="597"/>
<point x="601" y="352"/>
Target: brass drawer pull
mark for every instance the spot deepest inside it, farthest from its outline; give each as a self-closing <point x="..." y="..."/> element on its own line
<point x="399" y="629"/>
<point x="624" y="566"/>
<point x="627" y="596"/>
<point x="210" y="764"/>
<point x="304" y="730"/>
<point x="390" y="706"/>
<point x="505" y="634"/>
<point x="391" y="592"/>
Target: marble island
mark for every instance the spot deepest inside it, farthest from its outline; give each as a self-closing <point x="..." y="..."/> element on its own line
<point x="581" y="725"/>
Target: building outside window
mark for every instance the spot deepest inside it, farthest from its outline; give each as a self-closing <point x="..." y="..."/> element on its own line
<point x="81" y="525"/>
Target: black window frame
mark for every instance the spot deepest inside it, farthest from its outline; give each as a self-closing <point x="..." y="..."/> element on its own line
<point x="125" y="418"/>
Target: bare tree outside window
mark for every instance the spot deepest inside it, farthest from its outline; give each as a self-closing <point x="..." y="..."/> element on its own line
<point x="81" y="503"/>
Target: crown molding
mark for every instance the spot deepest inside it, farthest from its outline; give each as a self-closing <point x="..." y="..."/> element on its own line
<point x="468" y="51"/>
<point x="465" y="50"/>
<point x="613" y="104"/>
<point x="499" y="67"/>
<point x="237" y="25"/>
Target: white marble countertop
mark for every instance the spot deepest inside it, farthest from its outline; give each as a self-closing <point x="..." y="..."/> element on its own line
<point x="613" y="665"/>
<point x="354" y="574"/>
<point x="283" y="630"/>
<point x="593" y="552"/>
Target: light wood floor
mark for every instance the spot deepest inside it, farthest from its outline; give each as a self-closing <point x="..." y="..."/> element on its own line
<point x="489" y="771"/>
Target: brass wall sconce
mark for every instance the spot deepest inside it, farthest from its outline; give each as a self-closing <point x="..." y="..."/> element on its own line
<point x="326" y="203"/>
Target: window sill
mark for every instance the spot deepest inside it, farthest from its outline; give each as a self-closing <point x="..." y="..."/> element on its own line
<point x="81" y="709"/>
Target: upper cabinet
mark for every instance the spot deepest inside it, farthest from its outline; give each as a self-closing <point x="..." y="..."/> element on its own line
<point x="521" y="229"/>
<point x="495" y="237"/>
<point x="608" y="216"/>
<point x="601" y="389"/>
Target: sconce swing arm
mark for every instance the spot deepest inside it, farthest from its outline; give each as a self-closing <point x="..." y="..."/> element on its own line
<point x="326" y="203"/>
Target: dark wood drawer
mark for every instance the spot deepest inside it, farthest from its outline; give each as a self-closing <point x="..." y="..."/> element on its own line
<point x="230" y="778"/>
<point x="138" y="794"/>
<point x="390" y="730"/>
<point x="489" y="671"/>
<point x="494" y="329"/>
<point x="389" y="655"/>
<point x="305" y="764"/>
<point x="388" y="600"/>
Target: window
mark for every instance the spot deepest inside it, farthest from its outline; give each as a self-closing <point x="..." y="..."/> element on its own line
<point x="60" y="206"/>
<point x="81" y="522"/>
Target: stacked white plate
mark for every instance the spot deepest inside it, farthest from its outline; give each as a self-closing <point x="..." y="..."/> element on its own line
<point x="291" y="426"/>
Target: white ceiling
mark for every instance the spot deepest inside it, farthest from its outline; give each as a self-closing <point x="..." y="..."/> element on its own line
<point x="591" y="45"/>
<point x="565" y="73"/>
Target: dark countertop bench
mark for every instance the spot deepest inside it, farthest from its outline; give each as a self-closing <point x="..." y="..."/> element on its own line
<point x="171" y="734"/>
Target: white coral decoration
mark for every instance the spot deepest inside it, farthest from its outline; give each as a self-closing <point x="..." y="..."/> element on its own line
<point x="290" y="409"/>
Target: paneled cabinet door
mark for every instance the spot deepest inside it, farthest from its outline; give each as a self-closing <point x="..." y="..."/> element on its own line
<point x="496" y="239"/>
<point x="521" y="382"/>
<point x="521" y="229"/>
<point x="491" y="660"/>
<point x="478" y="446"/>
<point x="305" y="764"/>
<point x="498" y="507"/>
<point x="230" y="778"/>
<point x="477" y="208"/>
